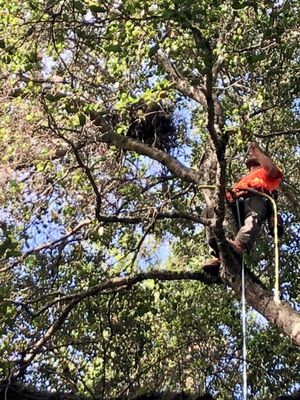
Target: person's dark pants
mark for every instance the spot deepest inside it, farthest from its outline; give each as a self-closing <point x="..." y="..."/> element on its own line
<point x="253" y="210"/>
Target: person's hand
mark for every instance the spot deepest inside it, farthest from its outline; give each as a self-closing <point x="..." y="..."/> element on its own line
<point x="253" y="148"/>
<point x="237" y="193"/>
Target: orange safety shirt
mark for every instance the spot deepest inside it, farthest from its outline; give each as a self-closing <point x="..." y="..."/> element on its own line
<point x="259" y="179"/>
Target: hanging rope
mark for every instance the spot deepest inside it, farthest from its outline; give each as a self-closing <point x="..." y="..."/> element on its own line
<point x="276" y="244"/>
<point x="244" y="315"/>
<point x="243" y="295"/>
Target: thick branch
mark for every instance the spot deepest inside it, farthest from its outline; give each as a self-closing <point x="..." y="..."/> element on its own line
<point x="159" y="216"/>
<point x="174" y="166"/>
<point x="282" y="315"/>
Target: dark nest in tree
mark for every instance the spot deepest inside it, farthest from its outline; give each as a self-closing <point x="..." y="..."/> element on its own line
<point x="153" y="125"/>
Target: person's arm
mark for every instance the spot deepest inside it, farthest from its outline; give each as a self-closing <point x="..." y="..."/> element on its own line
<point x="267" y="164"/>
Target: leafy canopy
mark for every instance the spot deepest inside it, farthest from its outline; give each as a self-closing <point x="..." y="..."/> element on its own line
<point x="82" y="211"/>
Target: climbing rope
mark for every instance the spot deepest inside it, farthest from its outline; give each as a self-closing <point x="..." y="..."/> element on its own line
<point x="243" y="295"/>
<point x="276" y="244"/>
<point x="244" y="315"/>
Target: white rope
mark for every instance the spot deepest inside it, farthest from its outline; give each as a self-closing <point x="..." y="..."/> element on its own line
<point x="244" y="315"/>
<point x="244" y="329"/>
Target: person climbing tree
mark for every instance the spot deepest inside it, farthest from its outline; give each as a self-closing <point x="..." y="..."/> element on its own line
<point x="265" y="177"/>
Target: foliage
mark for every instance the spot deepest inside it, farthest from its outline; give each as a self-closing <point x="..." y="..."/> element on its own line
<point x="81" y="212"/>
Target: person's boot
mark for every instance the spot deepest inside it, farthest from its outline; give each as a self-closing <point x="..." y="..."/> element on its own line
<point x="237" y="246"/>
<point x="212" y="266"/>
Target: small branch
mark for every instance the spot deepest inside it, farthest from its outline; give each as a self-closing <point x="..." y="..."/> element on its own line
<point x="55" y="128"/>
<point x="268" y="108"/>
<point x="280" y="133"/>
<point x="141" y="241"/>
<point x="90" y="178"/>
<point x="54" y="242"/>
<point x="40" y="80"/>
<point x="183" y="85"/>
<point x="58" y="153"/>
<point x="29" y="357"/>
<point x="260" y="46"/>
<point x="114" y="219"/>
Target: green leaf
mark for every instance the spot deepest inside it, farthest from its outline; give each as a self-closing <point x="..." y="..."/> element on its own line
<point x="113" y="48"/>
<point x="71" y="109"/>
<point x="97" y="9"/>
<point x="53" y="97"/>
<point x="238" y="4"/>
<point x="82" y="119"/>
<point x="153" y="50"/>
<point x="78" y="5"/>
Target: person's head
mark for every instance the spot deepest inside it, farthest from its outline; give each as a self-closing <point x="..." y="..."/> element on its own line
<point x="252" y="162"/>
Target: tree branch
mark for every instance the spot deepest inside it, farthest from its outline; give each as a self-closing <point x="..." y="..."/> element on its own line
<point x="174" y="166"/>
<point x="280" y="133"/>
<point x="114" y="283"/>
<point x="196" y="93"/>
<point x="282" y="315"/>
<point x="57" y="241"/>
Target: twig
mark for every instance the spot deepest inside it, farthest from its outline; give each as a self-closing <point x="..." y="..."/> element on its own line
<point x="280" y="133"/>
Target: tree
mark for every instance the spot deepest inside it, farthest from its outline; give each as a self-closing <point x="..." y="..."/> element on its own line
<point x="102" y="242"/>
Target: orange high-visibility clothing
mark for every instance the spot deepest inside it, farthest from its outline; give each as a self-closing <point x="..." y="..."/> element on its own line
<point x="258" y="180"/>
